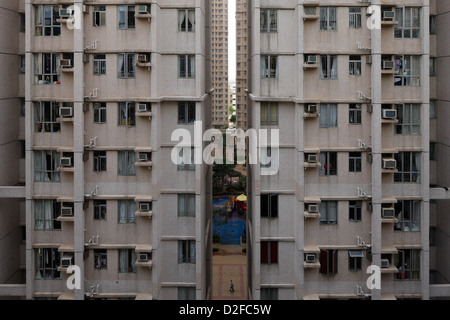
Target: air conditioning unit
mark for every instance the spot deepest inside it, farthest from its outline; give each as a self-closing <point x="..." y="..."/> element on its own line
<point x="313" y="208"/>
<point x="144" y="206"/>
<point x="310" y="257"/>
<point x="143" y="156"/>
<point x="143" y="257"/>
<point x="388" y="64"/>
<point x="142" y="9"/>
<point x="389" y="114"/>
<point x="387" y="212"/>
<point x="66" y="111"/>
<point x="389" y="163"/>
<point x="311" y="59"/>
<point x="67" y="260"/>
<point x="312" y="158"/>
<point x="389" y="15"/>
<point x="65" y="162"/>
<point x="142" y="58"/>
<point x="311" y="108"/>
<point x="67" y="211"/>
<point x="65" y="63"/>
<point x="65" y="13"/>
<point x="142" y="107"/>
<point x="384" y="263"/>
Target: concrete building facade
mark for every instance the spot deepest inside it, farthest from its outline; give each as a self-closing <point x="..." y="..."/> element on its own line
<point x="241" y="63"/>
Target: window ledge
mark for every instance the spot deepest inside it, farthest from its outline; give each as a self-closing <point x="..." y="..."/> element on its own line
<point x="311" y="265"/>
<point x="143" y="164"/>
<point x="311" y="215"/>
<point x="143" y="16"/>
<point x="388" y="23"/>
<point x="65" y="119"/>
<point x="311" y="17"/>
<point x="65" y="218"/>
<point x="144" y="214"/>
<point x="312" y="164"/>
<point x="144" y="114"/>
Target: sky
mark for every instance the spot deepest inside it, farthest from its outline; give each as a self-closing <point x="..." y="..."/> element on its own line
<point x="232" y="40"/>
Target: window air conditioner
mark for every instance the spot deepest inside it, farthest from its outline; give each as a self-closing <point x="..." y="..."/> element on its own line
<point x="65" y="162"/>
<point x="67" y="260"/>
<point x="311" y="108"/>
<point x="143" y="156"/>
<point x="311" y="59"/>
<point x="142" y="9"/>
<point x="143" y="257"/>
<point x="313" y="208"/>
<point x="310" y="258"/>
<point x="389" y="163"/>
<point x="312" y="158"/>
<point x="65" y="13"/>
<point x="142" y="58"/>
<point x="384" y="263"/>
<point x="66" y="111"/>
<point x="389" y="114"/>
<point x="387" y="212"/>
<point x="388" y="64"/>
<point x="144" y="206"/>
<point x="66" y="211"/>
<point x="388" y="15"/>
<point x="142" y="107"/>
<point x="65" y="63"/>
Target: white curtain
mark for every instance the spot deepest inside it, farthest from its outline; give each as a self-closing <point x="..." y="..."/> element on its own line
<point x="264" y="113"/>
<point x="181" y="251"/>
<point x="48" y="214"/>
<point x="123" y="260"/>
<point x="333" y="63"/>
<point x="333" y="19"/>
<point x="192" y="251"/>
<point x="181" y="205"/>
<point x="324" y="115"/>
<point x="55" y="158"/>
<point x="38" y="215"/>
<point x="415" y="119"/>
<point x="264" y="66"/>
<point x="131" y="168"/>
<point x="273" y="113"/>
<point x="332" y="212"/>
<point x="191" y="66"/>
<point x="191" y="205"/>
<point x="122" y="17"/>
<point x="121" y="65"/>
<point x="323" y="163"/>
<point x="182" y="20"/>
<point x="122" y="211"/>
<point x="417" y="165"/>
<point x="191" y="17"/>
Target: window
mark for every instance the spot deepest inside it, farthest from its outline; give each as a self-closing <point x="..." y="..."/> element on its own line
<point x="46" y="163"/>
<point x="100" y="259"/>
<point x="186" y="251"/>
<point x="46" y="114"/>
<point x="407" y="262"/>
<point x="408" y="116"/>
<point x="22" y="149"/>
<point x="186" y="159"/>
<point x="99" y="161"/>
<point x="328" y="115"/>
<point x="433" y="151"/>
<point x="46" y="263"/>
<point x="22" y="107"/>
<point x="99" y="209"/>
<point x="328" y="212"/>
<point x="21" y="22"/>
<point x="186" y="20"/>
<point x="328" y="262"/>
<point x="45" y="20"/>
<point x="408" y="166"/>
<point x="127" y="261"/>
<point x="186" y="112"/>
<point x="186" y="293"/>
<point x="269" y="252"/>
<point x="45" y="214"/>
<point x="432" y="67"/>
<point x="99" y="64"/>
<point x="127" y="211"/>
<point x="126" y="163"/>
<point x="186" y="66"/>
<point x="408" y="215"/>
<point x="269" y="294"/>
<point x="46" y="66"/>
<point x="354" y="161"/>
<point x="268" y="157"/>
<point x="127" y="114"/>
<point x="269" y="113"/>
<point x="22" y="63"/>
<point x="269" y="20"/>
<point x="100" y="112"/>
<point x="432" y="236"/>
<point x="354" y="113"/>
<point x="269" y="205"/>
<point x="328" y="67"/>
<point x="433" y="24"/>
<point x="407" y="71"/>
<point x="355" y="260"/>
<point x="329" y="160"/>
<point x="354" y="65"/>
<point x="328" y="18"/>
<point x="126" y="65"/>
<point x="269" y="66"/>
<point x="408" y="19"/>
<point x="126" y="17"/>
<point x="99" y="16"/>
<point x="186" y="205"/>
<point x="354" y="17"/>
<point x="354" y="210"/>
<point x="432" y="109"/>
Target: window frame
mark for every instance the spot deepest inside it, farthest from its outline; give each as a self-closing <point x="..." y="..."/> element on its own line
<point x="354" y="65"/>
<point x="330" y="157"/>
<point x="185" y="12"/>
<point x="46" y="110"/>
<point x="187" y="251"/>
<point x="413" y="210"/>
<point x="406" y="164"/>
<point x="326" y="216"/>
<point x="354" y="114"/>
<point x="355" y="260"/>
<point x="269" y="252"/>
<point x="51" y="172"/>
<point x="186" y="112"/>
<point x="269" y="206"/>
<point x="127" y="114"/>
<point x="408" y="267"/>
<point x="129" y="216"/>
<point x="325" y="22"/>
<point x="186" y="210"/>
<point x="186" y="66"/>
<point x="100" y="161"/>
<point x="407" y="125"/>
<point x="100" y="259"/>
<point x="186" y="167"/>
<point x="269" y="68"/>
<point x="400" y="29"/>
<point x="355" y="162"/>
<point x="355" y="210"/>
<point x="126" y="24"/>
<point x="404" y="78"/>
<point x="47" y="223"/>
<point x="46" y="66"/>
<point x="48" y="270"/>
<point x="100" y="210"/>
<point x="128" y="69"/>
<point x="99" y="64"/>
<point x="100" y="112"/>
<point x="40" y="20"/>
<point x="327" y="118"/>
<point x="328" y="265"/>
<point x="130" y="261"/>
<point x="270" y="16"/>
<point x="99" y="16"/>
<point x="354" y="17"/>
<point x="328" y="73"/>
<point x="270" y="106"/>
<point x="129" y="157"/>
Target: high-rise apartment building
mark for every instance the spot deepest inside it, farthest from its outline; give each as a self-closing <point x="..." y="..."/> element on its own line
<point x="219" y="63"/>
<point x="241" y="63"/>
<point x="352" y="106"/>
